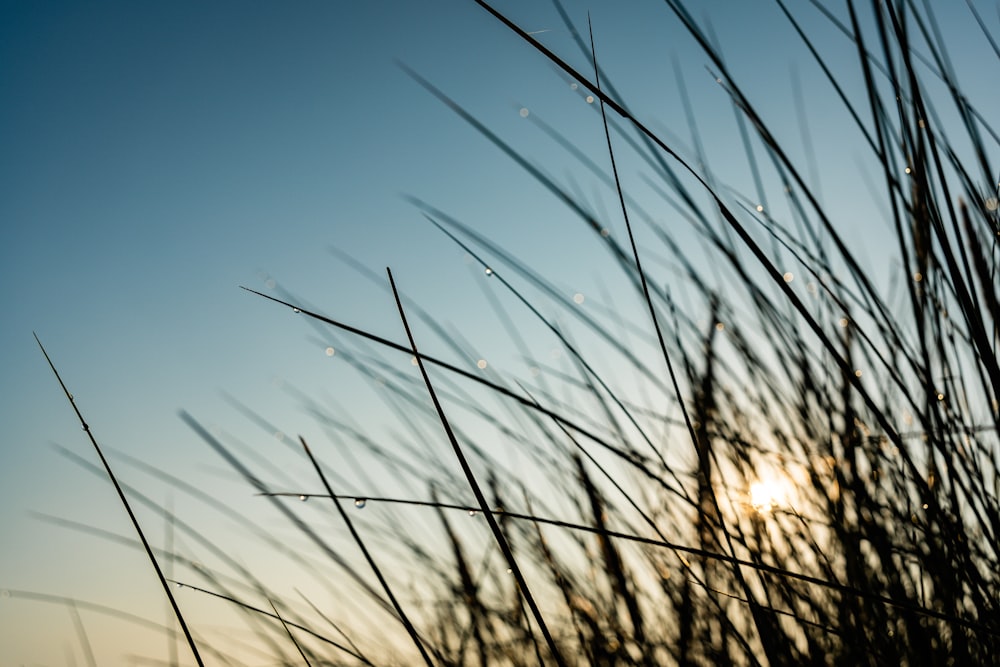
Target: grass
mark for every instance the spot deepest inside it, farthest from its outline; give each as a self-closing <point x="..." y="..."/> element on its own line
<point x="809" y="476"/>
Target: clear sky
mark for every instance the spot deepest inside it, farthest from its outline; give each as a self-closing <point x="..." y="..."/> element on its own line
<point x="155" y="156"/>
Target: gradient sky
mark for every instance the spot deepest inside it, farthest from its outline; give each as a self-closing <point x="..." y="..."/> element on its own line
<point x="158" y="155"/>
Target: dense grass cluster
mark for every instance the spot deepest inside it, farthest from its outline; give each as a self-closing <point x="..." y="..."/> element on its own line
<point x="788" y="469"/>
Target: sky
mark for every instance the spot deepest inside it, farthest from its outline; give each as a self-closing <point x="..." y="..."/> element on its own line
<point x="157" y="156"/>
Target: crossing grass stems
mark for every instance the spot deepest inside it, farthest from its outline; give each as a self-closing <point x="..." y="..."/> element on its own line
<point x="886" y="546"/>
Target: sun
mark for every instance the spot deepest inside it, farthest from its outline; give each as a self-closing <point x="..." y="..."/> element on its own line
<point x="767" y="494"/>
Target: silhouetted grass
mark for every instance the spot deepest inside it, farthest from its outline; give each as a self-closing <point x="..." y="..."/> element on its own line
<point x="634" y="531"/>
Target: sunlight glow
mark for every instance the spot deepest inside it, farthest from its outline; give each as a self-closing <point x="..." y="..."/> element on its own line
<point x="767" y="494"/>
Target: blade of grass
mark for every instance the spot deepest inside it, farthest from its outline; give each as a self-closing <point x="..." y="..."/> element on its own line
<point x="474" y="484"/>
<point x="289" y="631"/>
<point x="128" y="508"/>
<point x="404" y="619"/>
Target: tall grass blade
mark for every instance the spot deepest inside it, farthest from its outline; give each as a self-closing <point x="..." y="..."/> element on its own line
<point x="477" y="491"/>
<point x="404" y="619"/>
<point x="128" y="508"/>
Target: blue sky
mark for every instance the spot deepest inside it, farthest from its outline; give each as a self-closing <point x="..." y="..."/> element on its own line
<point x="158" y="155"/>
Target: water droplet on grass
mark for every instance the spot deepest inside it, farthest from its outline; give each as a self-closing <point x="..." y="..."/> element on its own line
<point x="590" y="99"/>
<point x="303" y="498"/>
<point x="788" y="277"/>
<point x="472" y="512"/>
<point x="524" y="112"/>
<point x="330" y="352"/>
<point x="296" y="310"/>
<point x="489" y="271"/>
<point x="481" y="364"/>
<point x="578" y="298"/>
<point x="360" y="502"/>
<point x="573" y="86"/>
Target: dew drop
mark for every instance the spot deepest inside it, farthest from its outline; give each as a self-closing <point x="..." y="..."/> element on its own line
<point x="907" y="170"/>
<point x="360" y="502"/>
<point x="413" y="361"/>
<point x="510" y="571"/>
<point x="760" y="208"/>
<point x="296" y="310"/>
<point x="481" y="364"/>
<point x="472" y="512"/>
<point x="303" y="498"/>
<point x="605" y="232"/>
<point x="578" y="298"/>
<point x="330" y="352"/>
<point x="489" y="271"/>
<point x="524" y="112"/>
<point x="857" y="373"/>
<point x="85" y="427"/>
<point x="179" y="585"/>
<point x="940" y="397"/>
<point x="992" y="204"/>
<point x="788" y="277"/>
<point x="719" y="326"/>
<point x="590" y="99"/>
<point x="573" y="86"/>
<point x="925" y="505"/>
<point x="843" y="322"/>
<point x="270" y="284"/>
<point x="71" y="397"/>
